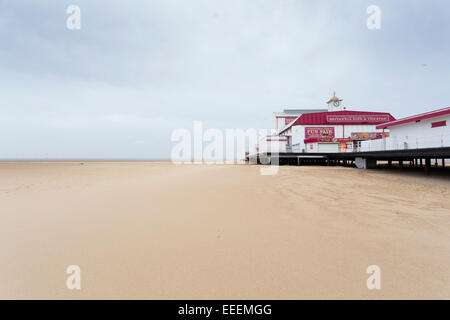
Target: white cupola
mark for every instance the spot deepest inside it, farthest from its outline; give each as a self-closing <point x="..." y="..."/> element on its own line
<point x="335" y="104"/>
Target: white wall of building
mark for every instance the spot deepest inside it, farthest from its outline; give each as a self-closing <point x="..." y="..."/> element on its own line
<point x="413" y="135"/>
<point x="279" y="120"/>
<point x="298" y="133"/>
<point x="328" y="147"/>
<point x="310" y="147"/>
<point x="325" y="147"/>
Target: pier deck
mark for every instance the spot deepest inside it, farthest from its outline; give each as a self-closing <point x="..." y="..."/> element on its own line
<point x="363" y="160"/>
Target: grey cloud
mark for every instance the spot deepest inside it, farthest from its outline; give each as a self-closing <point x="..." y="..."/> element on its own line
<point x="139" y="69"/>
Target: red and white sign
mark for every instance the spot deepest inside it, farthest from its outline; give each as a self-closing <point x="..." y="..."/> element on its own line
<point x="319" y="132"/>
<point x="327" y="140"/>
<point x="369" y="135"/>
<point x="358" y="118"/>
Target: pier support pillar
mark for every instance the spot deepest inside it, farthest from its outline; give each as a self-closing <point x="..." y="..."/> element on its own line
<point x="427" y="166"/>
<point x="364" y="163"/>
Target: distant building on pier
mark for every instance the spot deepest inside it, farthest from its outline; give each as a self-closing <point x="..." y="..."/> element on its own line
<point x="334" y="129"/>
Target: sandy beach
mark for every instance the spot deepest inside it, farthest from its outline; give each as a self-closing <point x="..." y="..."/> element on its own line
<point x="164" y="231"/>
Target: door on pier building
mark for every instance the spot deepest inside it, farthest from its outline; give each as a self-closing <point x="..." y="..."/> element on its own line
<point x="328" y="147"/>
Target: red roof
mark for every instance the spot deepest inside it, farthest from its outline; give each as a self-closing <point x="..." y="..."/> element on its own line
<point x="422" y="116"/>
<point x="341" y="117"/>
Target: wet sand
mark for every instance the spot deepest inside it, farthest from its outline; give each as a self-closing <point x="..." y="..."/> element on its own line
<point x="164" y="231"/>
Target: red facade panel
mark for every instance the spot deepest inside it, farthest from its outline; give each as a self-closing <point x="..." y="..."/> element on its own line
<point x="439" y="124"/>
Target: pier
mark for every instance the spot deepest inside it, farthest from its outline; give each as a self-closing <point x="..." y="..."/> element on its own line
<point x="417" y="158"/>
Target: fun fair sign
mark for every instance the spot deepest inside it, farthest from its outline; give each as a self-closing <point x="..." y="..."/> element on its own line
<point x="319" y="132"/>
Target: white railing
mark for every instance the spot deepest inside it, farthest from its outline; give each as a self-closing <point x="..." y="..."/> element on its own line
<point x="393" y="143"/>
<point x="296" y="147"/>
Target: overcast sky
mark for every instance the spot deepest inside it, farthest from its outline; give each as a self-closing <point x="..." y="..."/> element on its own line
<point x="136" y="70"/>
